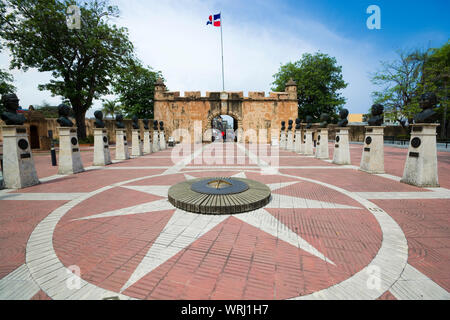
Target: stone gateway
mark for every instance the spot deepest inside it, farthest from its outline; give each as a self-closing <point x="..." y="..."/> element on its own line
<point x="255" y="112"/>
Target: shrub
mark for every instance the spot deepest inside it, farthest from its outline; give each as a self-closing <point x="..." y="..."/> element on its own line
<point x="87" y="140"/>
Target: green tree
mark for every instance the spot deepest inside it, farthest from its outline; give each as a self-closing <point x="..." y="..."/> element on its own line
<point x="6" y="85"/>
<point x="405" y="79"/>
<point x="6" y="78"/>
<point x="82" y="61"/>
<point x="436" y="74"/>
<point x="135" y="86"/>
<point x="319" y="80"/>
<point x="400" y="85"/>
<point x="110" y="108"/>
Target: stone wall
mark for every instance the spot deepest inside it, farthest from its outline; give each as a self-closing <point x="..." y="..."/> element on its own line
<point x="254" y="112"/>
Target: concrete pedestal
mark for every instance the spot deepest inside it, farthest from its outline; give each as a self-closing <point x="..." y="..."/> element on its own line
<point x="290" y="141"/>
<point x="136" y="145"/>
<point x="421" y="162"/>
<point x="309" y="148"/>
<point x="69" y="151"/>
<point x="147" y="143"/>
<point x="155" y="146"/>
<point x="341" y="153"/>
<point x="18" y="165"/>
<point x="162" y="141"/>
<point x="372" y="160"/>
<point x="302" y="141"/>
<point x="298" y="141"/>
<point x="322" y="144"/>
<point x="283" y="140"/>
<point x="102" y="157"/>
<point x="122" y="152"/>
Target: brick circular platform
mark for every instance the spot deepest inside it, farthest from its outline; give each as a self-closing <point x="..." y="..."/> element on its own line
<point x="219" y="195"/>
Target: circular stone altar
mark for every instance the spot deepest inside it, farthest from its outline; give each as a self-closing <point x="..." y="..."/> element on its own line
<point x="219" y="195"/>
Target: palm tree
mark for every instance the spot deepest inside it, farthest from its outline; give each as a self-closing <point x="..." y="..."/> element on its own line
<point x="110" y="108"/>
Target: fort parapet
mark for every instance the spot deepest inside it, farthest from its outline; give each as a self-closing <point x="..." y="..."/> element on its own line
<point x="254" y="112"/>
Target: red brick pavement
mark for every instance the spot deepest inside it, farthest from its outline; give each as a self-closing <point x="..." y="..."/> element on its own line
<point x="426" y="224"/>
<point x="17" y="222"/>
<point x="41" y="296"/>
<point x="43" y="163"/>
<point x="234" y="260"/>
<point x="89" y="180"/>
<point x="387" y="296"/>
<point x="353" y="180"/>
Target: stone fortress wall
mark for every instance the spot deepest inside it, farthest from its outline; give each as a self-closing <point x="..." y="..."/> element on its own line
<point x="254" y="112"/>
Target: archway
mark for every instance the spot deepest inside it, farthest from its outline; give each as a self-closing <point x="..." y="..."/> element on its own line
<point x="34" y="137"/>
<point x="224" y="128"/>
<point x="237" y="124"/>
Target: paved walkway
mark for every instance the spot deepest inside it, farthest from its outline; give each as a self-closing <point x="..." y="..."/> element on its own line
<point x="329" y="232"/>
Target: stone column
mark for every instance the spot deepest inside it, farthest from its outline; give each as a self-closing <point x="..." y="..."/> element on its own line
<point x="298" y="141"/>
<point x="162" y="140"/>
<point x="309" y="148"/>
<point x="102" y="157"/>
<point x="240" y="132"/>
<point x="147" y="142"/>
<point x="322" y="144"/>
<point x="283" y="140"/>
<point x="69" y="151"/>
<point x="341" y="153"/>
<point x="155" y="146"/>
<point x="372" y="160"/>
<point x="122" y="152"/>
<point x="290" y="141"/>
<point x="421" y="163"/>
<point x="18" y="165"/>
<point x="136" y="147"/>
<point x="198" y="137"/>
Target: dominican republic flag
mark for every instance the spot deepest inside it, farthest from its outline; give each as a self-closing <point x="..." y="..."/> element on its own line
<point x="216" y="20"/>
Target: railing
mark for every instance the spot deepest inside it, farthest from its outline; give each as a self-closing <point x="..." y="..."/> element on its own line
<point x="393" y="140"/>
<point x="444" y="141"/>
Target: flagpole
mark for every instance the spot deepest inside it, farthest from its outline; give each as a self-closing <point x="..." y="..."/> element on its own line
<point x="221" y="42"/>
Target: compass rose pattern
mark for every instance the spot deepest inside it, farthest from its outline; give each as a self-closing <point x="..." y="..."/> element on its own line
<point x="182" y="235"/>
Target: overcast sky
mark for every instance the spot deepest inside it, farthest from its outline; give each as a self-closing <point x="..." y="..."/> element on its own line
<point x="259" y="36"/>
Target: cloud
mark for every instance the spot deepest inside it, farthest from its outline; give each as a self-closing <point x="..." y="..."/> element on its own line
<point x="172" y="36"/>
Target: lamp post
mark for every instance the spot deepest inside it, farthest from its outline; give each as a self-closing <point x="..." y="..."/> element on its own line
<point x="52" y="149"/>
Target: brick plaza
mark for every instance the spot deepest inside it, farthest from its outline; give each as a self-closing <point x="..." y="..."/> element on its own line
<point x="329" y="232"/>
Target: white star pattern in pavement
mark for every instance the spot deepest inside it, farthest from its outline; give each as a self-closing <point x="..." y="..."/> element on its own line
<point x="184" y="228"/>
